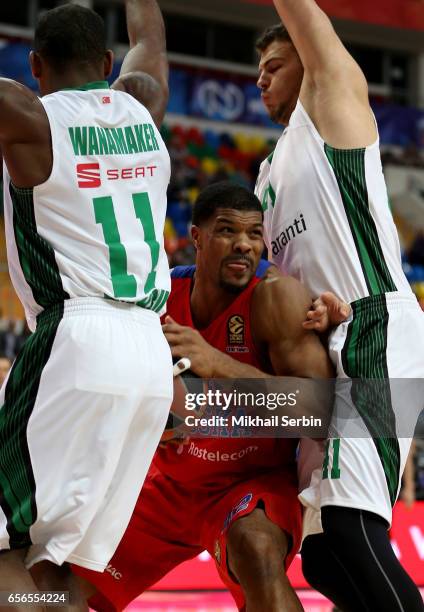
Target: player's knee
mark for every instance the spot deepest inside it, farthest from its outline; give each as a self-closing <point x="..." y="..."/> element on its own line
<point x="255" y="553"/>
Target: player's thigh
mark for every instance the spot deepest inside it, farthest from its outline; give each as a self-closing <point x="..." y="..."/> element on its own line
<point x="71" y="403"/>
<point x="275" y="494"/>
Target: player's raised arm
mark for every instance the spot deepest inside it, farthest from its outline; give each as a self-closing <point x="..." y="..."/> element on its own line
<point x="144" y="72"/>
<point x="313" y="35"/>
<point x="23" y="128"/>
<point x="19" y="107"/>
<point x="334" y="89"/>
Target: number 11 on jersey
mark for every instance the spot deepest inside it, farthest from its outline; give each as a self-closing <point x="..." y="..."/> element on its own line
<point x="124" y="284"/>
<point x="335" y="469"/>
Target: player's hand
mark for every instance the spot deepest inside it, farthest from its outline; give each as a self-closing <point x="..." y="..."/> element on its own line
<point x="187" y="342"/>
<point x="326" y="312"/>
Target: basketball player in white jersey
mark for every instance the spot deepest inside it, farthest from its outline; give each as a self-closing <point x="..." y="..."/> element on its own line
<point x="327" y="222"/>
<point x="86" y="174"/>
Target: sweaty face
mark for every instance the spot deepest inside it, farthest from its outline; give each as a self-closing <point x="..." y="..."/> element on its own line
<point x="280" y="79"/>
<point x="231" y="247"/>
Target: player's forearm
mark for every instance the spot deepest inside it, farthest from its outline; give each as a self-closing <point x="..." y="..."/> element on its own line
<point x="310" y="30"/>
<point x="145" y="24"/>
<point x="224" y="366"/>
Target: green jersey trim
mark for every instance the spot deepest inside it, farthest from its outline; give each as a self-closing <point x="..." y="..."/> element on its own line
<point x="88" y="86"/>
<point x="17" y="482"/>
<point x="364" y="359"/>
<point x="36" y="255"/>
<point x="155" y="301"/>
<point x="349" y="168"/>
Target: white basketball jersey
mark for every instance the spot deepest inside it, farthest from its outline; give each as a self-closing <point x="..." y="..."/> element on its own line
<point x="95" y="227"/>
<point x="327" y="218"/>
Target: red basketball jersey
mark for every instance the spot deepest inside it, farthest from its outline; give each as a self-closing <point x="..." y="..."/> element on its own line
<point x="207" y="460"/>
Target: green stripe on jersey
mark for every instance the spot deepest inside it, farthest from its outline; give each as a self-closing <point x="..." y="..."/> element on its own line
<point x="36" y="255"/>
<point x="88" y="86"/>
<point x="349" y="168"/>
<point x="155" y="301"/>
<point x="17" y="483"/>
<point x="364" y="360"/>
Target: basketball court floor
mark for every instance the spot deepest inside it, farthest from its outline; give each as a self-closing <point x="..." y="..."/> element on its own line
<point x="213" y="601"/>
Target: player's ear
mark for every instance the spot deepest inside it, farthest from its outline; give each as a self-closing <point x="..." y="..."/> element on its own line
<point x="36" y="64"/>
<point x="108" y="63"/>
<point x="195" y="236"/>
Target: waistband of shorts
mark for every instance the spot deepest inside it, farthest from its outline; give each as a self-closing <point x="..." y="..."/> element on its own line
<point x="391" y="300"/>
<point x="86" y="305"/>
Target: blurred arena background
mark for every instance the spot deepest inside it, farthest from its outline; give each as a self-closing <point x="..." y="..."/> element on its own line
<point x="216" y="128"/>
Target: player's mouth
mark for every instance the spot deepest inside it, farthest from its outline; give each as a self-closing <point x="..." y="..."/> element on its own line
<point x="238" y="265"/>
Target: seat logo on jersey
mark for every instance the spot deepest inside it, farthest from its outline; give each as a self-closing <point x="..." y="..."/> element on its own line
<point x="236" y="335"/>
<point x="88" y="176"/>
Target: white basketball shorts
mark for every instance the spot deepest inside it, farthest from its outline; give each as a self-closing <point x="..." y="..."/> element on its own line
<point x="81" y="415"/>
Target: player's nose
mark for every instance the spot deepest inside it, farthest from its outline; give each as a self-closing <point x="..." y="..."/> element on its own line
<point x="262" y="82"/>
<point x="242" y="244"/>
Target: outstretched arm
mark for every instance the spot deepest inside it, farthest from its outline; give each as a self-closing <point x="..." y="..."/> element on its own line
<point x="334" y="90"/>
<point x="144" y="72"/>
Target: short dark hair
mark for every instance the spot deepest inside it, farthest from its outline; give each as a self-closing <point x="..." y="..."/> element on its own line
<point x="224" y="194"/>
<point x="272" y="33"/>
<point x="70" y="34"/>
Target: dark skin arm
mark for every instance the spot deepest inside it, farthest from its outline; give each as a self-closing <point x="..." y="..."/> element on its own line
<point x="24" y="135"/>
<point x="279" y="307"/>
<point x="144" y="72"/>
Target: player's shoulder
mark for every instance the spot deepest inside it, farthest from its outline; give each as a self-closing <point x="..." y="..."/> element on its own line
<point x="280" y="293"/>
<point x="264" y="269"/>
<point x="183" y="272"/>
<point x="16" y="93"/>
<point x="144" y="89"/>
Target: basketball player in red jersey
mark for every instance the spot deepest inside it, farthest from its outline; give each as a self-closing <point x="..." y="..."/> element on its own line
<point x="235" y="497"/>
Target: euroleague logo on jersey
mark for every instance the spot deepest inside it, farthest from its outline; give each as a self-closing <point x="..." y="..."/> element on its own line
<point x="236" y="334"/>
<point x="236" y="329"/>
<point x="89" y="175"/>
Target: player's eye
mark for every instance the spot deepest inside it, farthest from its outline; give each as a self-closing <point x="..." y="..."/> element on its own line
<point x="273" y="68"/>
